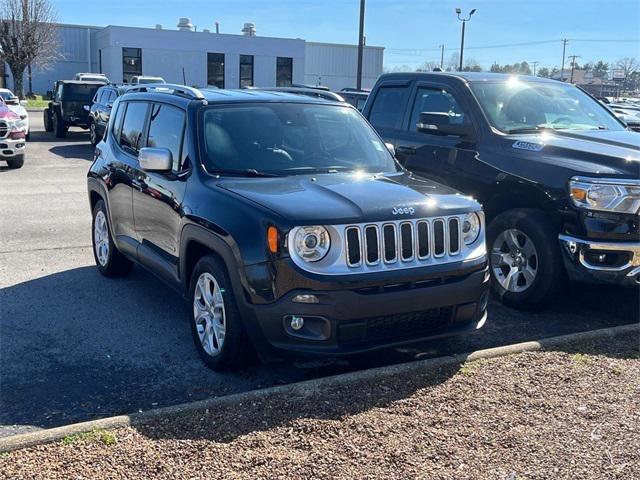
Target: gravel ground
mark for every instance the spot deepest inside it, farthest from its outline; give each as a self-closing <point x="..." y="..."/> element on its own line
<point x="564" y="414"/>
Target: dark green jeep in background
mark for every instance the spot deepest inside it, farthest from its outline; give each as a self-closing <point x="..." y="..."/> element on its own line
<point x="69" y="106"/>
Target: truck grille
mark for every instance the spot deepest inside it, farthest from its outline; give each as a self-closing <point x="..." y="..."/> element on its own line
<point x="402" y="241"/>
<point x="4" y="129"/>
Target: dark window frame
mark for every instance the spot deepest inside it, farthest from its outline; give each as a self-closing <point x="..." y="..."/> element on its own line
<point x="179" y="166"/>
<point x="128" y="73"/>
<point x="289" y="67"/>
<point x="143" y="132"/>
<point x="412" y="128"/>
<point x="404" y="105"/>
<point x="220" y="81"/>
<point x="246" y="63"/>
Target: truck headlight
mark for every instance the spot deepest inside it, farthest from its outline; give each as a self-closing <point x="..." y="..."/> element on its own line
<point x="471" y="227"/>
<point x="312" y="243"/>
<point x="606" y="194"/>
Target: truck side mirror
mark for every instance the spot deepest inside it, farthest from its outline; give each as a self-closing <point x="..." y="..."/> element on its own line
<point x="49" y="95"/>
<point x="439" y="123"/>
<point x="155" y="159"/>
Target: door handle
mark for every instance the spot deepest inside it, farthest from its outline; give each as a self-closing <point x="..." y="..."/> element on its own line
<point x="406" y="150"/>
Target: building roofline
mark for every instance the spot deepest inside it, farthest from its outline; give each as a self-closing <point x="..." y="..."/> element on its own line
<point x="342" y="44"/>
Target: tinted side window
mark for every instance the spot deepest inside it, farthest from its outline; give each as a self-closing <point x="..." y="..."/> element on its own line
<point x="435" y="100"/>
<point x="165" y="130"/>
<point x="117" y="120"/>
<point x="388" y="107"/>
<point x="132" y="127"/>
<point x="112" y="97"/>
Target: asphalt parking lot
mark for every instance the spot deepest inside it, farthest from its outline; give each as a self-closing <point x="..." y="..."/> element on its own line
<point x="76" y="346"/>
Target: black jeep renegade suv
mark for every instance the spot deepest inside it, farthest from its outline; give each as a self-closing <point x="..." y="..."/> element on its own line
<point x="285" y="221"/>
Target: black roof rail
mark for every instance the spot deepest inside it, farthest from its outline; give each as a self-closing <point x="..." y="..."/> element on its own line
<point x="175" y="89"/>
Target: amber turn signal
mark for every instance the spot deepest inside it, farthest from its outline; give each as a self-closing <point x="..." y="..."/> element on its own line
<point x="272" y="239"/>
<point x="579" y="194"/>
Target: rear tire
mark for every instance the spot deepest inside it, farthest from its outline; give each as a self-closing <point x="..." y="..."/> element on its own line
<point x="15" y="162"/>
<point x="216" y="325"/>
<point x="59" y="126"/>
<point x="527" y="270"/>
<point x="48" y="123"/>
<point x="109" y="260"/>
<point x="93" y="134"/>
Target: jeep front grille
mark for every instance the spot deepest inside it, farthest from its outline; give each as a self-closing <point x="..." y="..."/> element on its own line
<point x="403" y="241"/>
<point x="393" y="245"/>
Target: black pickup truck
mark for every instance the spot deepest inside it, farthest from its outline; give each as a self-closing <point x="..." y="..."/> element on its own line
<point x="558" y="174"/>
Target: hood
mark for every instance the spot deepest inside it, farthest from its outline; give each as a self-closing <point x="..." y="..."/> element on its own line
<point x="350" y="198"/>
<point x="7" y="114"/>
<point x="18" y="110"/>
<point x="595" y="152"/>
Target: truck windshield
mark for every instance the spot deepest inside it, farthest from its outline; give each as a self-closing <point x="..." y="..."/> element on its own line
<point x="290" y="139"/>
<point x="517" y="106"/>
<point x="78" y="92"/>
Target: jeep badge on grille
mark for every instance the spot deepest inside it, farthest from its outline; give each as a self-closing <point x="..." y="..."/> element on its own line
<point x="403" y="211"/>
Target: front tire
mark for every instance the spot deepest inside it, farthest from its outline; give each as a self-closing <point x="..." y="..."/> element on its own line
<point x="15" y="162"/>
<point x="216" y="325"/>
<point x="526" y="263"/>
<point x="109" y="260"/>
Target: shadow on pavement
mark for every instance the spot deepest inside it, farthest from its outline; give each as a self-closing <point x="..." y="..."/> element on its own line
<point x="77" y="346"/>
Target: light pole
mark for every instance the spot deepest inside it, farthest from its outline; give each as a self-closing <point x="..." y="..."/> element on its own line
<point x="535" y="64"/>
<point x="360" y="47"/>
<point x="441" y="56"/>
<point x="464" y="21"/>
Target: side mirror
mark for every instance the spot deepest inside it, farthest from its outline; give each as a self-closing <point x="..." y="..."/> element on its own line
<point x="391" y="148"/>
<point x="439" y="123"/>
<point x="155" y="159"/>
<point x="49" y="95"/>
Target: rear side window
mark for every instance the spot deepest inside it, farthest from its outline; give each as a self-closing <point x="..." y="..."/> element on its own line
<point x="165" y="130"/>
<point x="133" y="127"/>
<point x="388" y="107"/>
<point x="116" y="125"/>
<point x="111" y="98"/>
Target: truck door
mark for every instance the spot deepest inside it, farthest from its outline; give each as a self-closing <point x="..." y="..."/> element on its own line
<point x="388" y="109"/>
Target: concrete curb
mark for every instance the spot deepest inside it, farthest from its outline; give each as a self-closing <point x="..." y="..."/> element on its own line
<point x="54" y="434"/>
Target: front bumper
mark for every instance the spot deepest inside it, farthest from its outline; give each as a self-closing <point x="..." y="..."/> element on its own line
<point x="595" y="261"/>
<point x="357" y="320"/>
<point x="11" y="147"/>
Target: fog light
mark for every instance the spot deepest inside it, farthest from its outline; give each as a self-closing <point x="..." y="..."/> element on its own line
<point x="297" y="322"/>
<point x="305" y="298"/>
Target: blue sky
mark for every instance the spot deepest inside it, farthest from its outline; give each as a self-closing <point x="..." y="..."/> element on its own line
<point x="411" y="30"/>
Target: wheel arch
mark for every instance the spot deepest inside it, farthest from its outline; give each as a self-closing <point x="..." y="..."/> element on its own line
<point x="520" y="195"/>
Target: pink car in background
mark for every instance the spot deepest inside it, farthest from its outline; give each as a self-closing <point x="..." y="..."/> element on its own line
<point x="12" y="137"/>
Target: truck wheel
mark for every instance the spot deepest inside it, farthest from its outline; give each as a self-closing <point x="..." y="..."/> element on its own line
<point x="93" y="135"/>
<point x="109" y="260"/>
<point x="46" y="117"/>
<point x="59" y="126"/>
<point x="525" y="259"/>
<point x="15" y="162"/>
<point x="215" y="320"/>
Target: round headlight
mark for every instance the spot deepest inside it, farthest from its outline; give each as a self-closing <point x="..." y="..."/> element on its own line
<point x="470" y="228"/>
<point x="312" y="243"/>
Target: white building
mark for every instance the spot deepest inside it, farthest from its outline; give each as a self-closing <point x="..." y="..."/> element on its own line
<point x="203" y="58"/>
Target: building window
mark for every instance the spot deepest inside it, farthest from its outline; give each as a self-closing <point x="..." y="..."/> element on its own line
<point x="284" y="71"/>
<point x="215" y="70"/>
<point x="246" y="71"/>
<point x="131" y="63"/>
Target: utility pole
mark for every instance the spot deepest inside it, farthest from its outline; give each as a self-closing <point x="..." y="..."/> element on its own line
<point x="573" y="65"/>
<point x="442" y="56"/>
<point x="360" y="46"/>
<point x="535" y="64"/>
<point x="564" y="49"/>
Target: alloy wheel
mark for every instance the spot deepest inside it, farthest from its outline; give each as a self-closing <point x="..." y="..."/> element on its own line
<point x="514" y="260"/>
<point x="209" y="314"/>
<point x="101" y="238"/>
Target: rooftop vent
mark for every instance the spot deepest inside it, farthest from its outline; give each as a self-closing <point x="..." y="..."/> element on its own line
<point x="206" y="30"/>
<point x="249" y="30"/>
<point x="184" y="24"/>
<point x="158" y="26"/>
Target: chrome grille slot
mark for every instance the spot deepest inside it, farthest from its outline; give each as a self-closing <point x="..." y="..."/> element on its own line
<point x="439" y="238"/>
<point x="389" y="242"/>
<point x="353" y="246"/>
<point x="372" y="245"/>
<point x="454" y="236"/>
<point x="422" y="234"/>
<point x="406" y="241"/>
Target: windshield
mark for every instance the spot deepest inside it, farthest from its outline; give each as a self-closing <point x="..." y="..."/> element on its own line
<point x="8" y="96"/>
<point x="517" y="106"/>
<point x="78" y="92"/>
<point x="291" y="138"/>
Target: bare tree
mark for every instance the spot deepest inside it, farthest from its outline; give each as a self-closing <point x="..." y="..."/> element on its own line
<point x="28" y="36"/>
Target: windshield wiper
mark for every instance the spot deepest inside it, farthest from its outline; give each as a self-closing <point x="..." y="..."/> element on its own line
<point x="249" y="172"/>
<point x="531" y="129"/>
